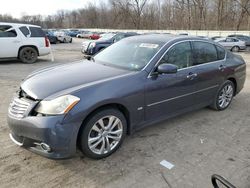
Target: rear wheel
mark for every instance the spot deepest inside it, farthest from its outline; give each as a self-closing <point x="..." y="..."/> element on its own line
<point x="224" y="96"/>
<point x="235" y="49"/>
<point x="28" y="55"/>
<point x="103" y="133"/>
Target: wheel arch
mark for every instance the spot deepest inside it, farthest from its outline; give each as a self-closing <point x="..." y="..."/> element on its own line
<point x="232" y="79"/>
<point x="117" y="106"/>
<point x="235" y="47"/>
<point x="32" y="46"/>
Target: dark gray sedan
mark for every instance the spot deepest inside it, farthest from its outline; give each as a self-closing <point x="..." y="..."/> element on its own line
<point x="138" y="81"/>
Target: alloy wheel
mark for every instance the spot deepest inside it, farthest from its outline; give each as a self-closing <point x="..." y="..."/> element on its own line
<point x="105" y="135"/>
<point x="225" y="96"/>
<point x="29" y="55"/>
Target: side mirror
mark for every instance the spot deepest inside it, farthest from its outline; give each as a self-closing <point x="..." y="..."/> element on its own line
<point x="166" y="68"/>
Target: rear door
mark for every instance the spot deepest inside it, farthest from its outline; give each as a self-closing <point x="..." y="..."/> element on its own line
<point x="10" y="42"/>
<point x="209" y="60"/>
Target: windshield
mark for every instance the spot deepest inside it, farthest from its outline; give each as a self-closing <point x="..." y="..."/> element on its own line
<point x="127" y="54"/>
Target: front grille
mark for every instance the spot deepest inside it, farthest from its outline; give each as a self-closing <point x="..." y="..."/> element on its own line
<point x="18" y="107"/>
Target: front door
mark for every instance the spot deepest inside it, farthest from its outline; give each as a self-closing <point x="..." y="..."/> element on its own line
<point x="168" y="94"/>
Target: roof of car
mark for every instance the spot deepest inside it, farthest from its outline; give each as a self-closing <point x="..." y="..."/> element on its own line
<point x="17" y="24"/>
<point x="165" y="38"/>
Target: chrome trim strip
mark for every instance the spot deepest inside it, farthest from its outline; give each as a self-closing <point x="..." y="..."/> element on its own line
<point x="187" y="40"/>
<point x="152" y="104"/>
<point x="15" y="141"/>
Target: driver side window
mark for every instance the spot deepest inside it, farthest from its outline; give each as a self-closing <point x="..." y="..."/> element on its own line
<point x="179" y="55"/>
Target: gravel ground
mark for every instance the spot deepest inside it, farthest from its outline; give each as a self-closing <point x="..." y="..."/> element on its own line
<point x="199" y="144"/>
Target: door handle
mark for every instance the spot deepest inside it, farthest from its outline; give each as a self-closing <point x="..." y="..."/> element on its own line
<point x="191" y="75"/>
<point x="222" y="67"/>
<point x="16" y="41"/>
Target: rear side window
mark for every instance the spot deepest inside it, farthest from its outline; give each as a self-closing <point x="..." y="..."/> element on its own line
<point x="7" y="31"/>
<point x="204" y="53"/>
<point x="24" y="30"/>
<point x="36" y="32"/>
<point x="220" y="53"/>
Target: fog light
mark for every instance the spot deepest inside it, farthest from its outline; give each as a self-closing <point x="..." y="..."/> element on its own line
<point x="45" y="147"/>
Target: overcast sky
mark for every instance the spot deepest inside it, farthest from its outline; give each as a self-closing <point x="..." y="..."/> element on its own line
<point x="44" y="7"/>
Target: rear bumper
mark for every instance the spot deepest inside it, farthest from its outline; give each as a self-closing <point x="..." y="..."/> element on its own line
<point x="44" y="51"/>
<point x="243" y="47"/>
<point x="31" y="132"/>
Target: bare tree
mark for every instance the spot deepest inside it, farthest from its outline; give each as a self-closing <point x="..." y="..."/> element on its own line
<point x="146" y="14"/>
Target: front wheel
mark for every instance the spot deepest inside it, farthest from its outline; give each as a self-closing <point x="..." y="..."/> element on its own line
<point x="224" y="96"/>
<point x="103" y="133"/>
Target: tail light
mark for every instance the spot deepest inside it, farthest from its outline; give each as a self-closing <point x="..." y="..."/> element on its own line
<point x="47" y="43"/>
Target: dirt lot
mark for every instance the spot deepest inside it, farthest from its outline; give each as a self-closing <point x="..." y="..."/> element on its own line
<point x="199" y="144"/>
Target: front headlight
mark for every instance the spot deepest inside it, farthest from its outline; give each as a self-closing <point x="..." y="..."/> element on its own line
<point x="92" y="45"/>
<point x="60" y="105"/>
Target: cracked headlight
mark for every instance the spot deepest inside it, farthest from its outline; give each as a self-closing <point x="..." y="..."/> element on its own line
<point x="60" y="105"/>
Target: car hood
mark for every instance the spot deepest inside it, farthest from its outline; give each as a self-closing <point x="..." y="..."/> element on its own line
<point x="103" y="41"/>
<point x="53" y="80"/>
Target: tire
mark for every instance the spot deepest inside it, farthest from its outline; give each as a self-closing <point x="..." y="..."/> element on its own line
<point x="28" y="55"/>
<point x="235" y="49"/>
<point x="94" y="139"/>
<point x="71" y="40"/>
<point x="226" y="94"/>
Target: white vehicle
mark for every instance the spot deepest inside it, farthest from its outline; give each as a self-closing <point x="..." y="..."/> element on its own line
<point x="63" y="37"/>
<point x="22" y="41"/>
<point x="232" y="43"/>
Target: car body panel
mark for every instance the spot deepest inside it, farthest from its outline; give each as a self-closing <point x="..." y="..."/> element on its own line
<point x="84" y="73"/>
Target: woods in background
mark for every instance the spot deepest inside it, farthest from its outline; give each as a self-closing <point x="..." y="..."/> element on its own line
<point x="149" y="14"/>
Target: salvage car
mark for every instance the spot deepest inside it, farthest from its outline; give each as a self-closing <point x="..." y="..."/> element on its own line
<point x="94" y="36"/>
<point x="244" y="38"/>
<point x="91" y="48"/>
<point x="52" y="38"/>
<point x="138" y="81"/>
<point x="22" y="41"/>
<point x="84" y="34"/>
<point x="63" y="37"/>
<point x="233" y="44"/>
